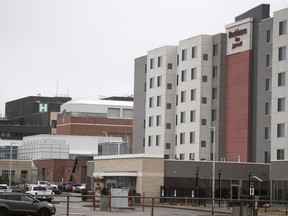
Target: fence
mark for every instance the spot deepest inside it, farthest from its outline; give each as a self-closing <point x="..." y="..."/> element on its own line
<point x="160" y="206"/>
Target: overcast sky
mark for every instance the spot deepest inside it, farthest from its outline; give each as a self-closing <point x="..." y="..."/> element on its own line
<point x="88" y="47"/>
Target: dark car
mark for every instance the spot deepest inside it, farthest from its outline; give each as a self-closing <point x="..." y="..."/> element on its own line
<point x="22" y="204"/>
<point x="69" y="187"/>
<point x="62" y="186"/>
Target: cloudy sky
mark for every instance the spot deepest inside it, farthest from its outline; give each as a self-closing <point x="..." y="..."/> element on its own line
<point x="86" y="48"/>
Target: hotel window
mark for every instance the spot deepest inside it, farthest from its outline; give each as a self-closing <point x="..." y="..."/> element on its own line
<point x="204" y="100"/>
<point x="213" y="115"/>
<point x="182" y="117"/>
<point x="160" y="61"/>
<point x="203" y="122"/>
<point x="150" y="121"/>
<point x="182" y="138"/>
<point x="183" y="75"/>
<point x="267" y="108"/>
<point x="214" y="71"/>
<point x="268" y="60"/>
<point x="145" y="85"/>
<point x="145" y="68"/>
<point x="282" y="53"/>
<point x="192" y="156"/>
<point x="182" y="156"/>
<point x="167" y="146"/>
<point x="283" y="27"/>
<point x="192" y="137"/>
<point x="203" y="143"/>
<point x="215" y="49"/>
<point x="268" y="84"/>
<point x="151" y="82"/>
<point x="158" y="120"/>
<point x="281" y="79"/>
<point x="268" y="36"/>
<point x="281" y="130"/>
<point x="192" y="115"/>
<point x="267" y="133"/>
<point x="159" y="81"/>
<point x="175" y="140"/>
<point x="204" y="78"/>
<point x="150" y="140"/>
<point x="168" y="106"/>
<point x="194" y="52"/>
<point x="159" y="100"/>
<point x="183" y="96"/>
<point x="168" y="125"/>
<point x="177" y="60"/>
<point x="205" y="57"/>
<point x="214" y="93"/>
<point x="193" y="73"/>
<point x="157" y="140"/>
<point x="184" y="54"/>
<point x="152" y="63"/>
<point x="176" y="119"/>
<point x="169" y="66"/>
<point x="166" y="156"/>
<point x="281" y="104"/>
<point x="193" y="94"/>
<point x="177" y="80"/>
<point x="169" y="85"/>
<point x="280" y="154"/>
<point x="267" y="157"/>
<point x="150" y="102"/>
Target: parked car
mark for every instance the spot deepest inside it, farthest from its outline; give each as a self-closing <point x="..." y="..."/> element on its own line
<point x="56" y="190"/>
<point x="24" y="204"/>
<point x="69" y="187"/>
<point x="78" y="188"/>
<point x="63" y="185"/>
<point x="41" y="192"/>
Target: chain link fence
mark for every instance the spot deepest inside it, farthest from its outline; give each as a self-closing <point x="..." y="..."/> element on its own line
<point x="140" y="205"/>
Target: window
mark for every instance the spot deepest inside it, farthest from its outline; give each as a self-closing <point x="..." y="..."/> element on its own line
<point x="214" y="93"/>
<point x="193" y="94"/>
<point x="145" y="69"/>
<point x="159" y="81"/>
<point x="184" y="54"/>
<point x="159" y="61"/>
<point x="127" y="113"/>
<point x="281" y="130"/>
<point x="151" y="82"/>
<point x="267" y="108"/>
<point x="203" y="122"/>
<point x="281" y="104"/>
<point x="268" y="60"/>
<point x="214" y="71"/>
<point x="203" y="143"/>
<point x="6" y="175"/>
<point x="205" y="57"/>
<point x="183" y="96"/>
<point x="114" y="112"/>
<point x="267" y="133"/>
<point x="280" y="154"/>
<point x="168" y="125"/>
<point x="182" y="156"/>
<point x="192" y="156"/>
<point x="150" y="121"/>
<point x="215" y="49"/>
<point x="281" y="79"/>
<point x="267" y="157"/>
<point x="54" y="123"/>
<point x="213" y="115"/>
<point x="204" y="78"/>
<point x="159" y="100"/>
<point x="204" y="100"/>
<point x="192" y="137"/>
<point x="175" y="140"/>
<point x="176" y="119"/>
<point x="176" y="100"/>
<point x="193" y="73"/>
<point x="167" y="146"/>
<point x="283" y="27"/>
<point x="182" y="117"/>
<point x="169" y="85"/>
<point x="168" y="105"/>
<point x="177" y="60"/>
<point x="268" y="84"/>
<point x="194" y="52"/>
<point x="282" y="53"/>
<point x="169" y="66"/>
<point x="183" y="75"/>
<point x="158" y="120"/>
<point x="152" y="63"/>
<point x="150" y="102"/>
<point x="192" y="115"/>
<point x="268" y="36"/>
<point x="182" y="138"/>
<point x="150" y="141"/>
<point x="157" y="140"/>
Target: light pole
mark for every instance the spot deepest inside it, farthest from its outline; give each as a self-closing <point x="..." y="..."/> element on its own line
<point x="10" y="168"/>
<point x="213" y="169"/>
<point x="219" y="186"/>
<point x="197" y="183"/>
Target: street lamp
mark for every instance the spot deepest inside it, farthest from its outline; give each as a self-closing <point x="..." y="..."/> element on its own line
<point x="197" y="183"/>
<point x="213" y="170"/>
<point x="219" y="186"/>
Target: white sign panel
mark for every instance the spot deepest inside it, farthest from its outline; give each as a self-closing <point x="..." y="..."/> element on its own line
<point x="239" y="36"/>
